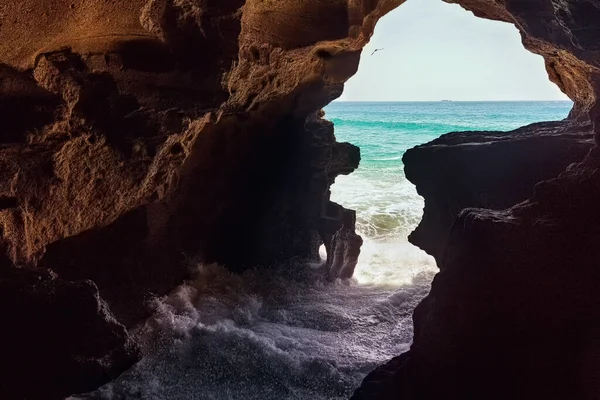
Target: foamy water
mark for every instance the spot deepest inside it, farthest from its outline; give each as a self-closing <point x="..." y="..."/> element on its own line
<point x="387" y="204"/>
<point x="388" y="209"/>
<point x="285" y="334"/>
<point x="266" y="336"/>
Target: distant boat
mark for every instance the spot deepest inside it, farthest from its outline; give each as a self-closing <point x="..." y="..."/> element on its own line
<point x="443" y="101"/>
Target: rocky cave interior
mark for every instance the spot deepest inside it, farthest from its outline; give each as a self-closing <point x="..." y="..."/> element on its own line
<point x="137" y="133"/>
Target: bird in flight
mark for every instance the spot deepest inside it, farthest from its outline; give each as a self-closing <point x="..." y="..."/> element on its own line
<point x="375" y="51"/>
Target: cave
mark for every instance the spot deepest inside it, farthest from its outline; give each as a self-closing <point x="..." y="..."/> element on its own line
<point x="397" y="102"/>
<point x="137" y="134"/>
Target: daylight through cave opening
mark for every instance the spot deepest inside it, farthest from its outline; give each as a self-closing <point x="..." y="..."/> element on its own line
<point x="401" y="99"/>
<point x="139" y="135"/>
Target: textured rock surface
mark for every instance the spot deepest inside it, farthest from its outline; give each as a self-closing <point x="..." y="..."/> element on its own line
<point x="492" y="170"/>
<point x="514" y="311"/>
<point x="513" y="314"/>
<point x="139" y="134"/>
<point x="136" y="134"/>
<point x="58" y="337"/>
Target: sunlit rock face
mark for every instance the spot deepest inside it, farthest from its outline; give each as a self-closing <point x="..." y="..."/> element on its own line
<point x="138" y="134"/>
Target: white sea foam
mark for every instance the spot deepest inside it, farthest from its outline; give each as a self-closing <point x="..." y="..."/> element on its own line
<point x="283" y="335"/>
<point x="378" y="259"/>
<point x="388" y="209"/>
<point x="286" y="334"/>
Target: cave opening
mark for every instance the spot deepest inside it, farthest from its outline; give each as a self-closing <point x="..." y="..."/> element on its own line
<point x="432" y="68"/>
<point x="242" y="184"/>
<point x="267" y="337"/>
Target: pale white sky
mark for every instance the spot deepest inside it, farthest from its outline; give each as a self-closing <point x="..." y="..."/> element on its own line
<point x="438" y="51"/>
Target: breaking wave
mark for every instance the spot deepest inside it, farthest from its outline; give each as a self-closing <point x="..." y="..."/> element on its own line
<point x="282" y="335"/>
<point x="286" y="334"/>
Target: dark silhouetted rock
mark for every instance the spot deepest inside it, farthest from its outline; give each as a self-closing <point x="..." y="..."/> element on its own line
<point x="57" y="337"/>
<point x="513" y="314"/>
<point x="492" y="170"/>
<point x="139" y="134"/>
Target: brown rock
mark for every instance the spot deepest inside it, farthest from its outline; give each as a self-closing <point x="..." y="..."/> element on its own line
<point x="343" y="253"/>
<point x="139" y="133"/>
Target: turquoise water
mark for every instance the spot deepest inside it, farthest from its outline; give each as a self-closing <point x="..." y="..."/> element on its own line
<point x="277" y="335"/>
<point x="388" y="207"/>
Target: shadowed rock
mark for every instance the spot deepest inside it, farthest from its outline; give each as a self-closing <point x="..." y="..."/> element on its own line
<point x="57" y="337"/>
<point x="492" y="170"/>
<point x="136" y="134"/>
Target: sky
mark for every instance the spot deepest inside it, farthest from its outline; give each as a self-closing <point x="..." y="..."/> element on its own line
<point x="438" y="51"/>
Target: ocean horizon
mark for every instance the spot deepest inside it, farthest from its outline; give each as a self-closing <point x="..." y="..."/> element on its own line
<point x="387" y="205"/>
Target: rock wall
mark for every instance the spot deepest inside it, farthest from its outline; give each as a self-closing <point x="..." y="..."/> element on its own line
<point x="493" y="170"/>
<point x="513" y="312"/>
<point x="58" y="337"/>
<point x="137" y="134"/>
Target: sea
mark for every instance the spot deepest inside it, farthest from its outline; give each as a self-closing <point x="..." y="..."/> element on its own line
<point x="286" y="334"/>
